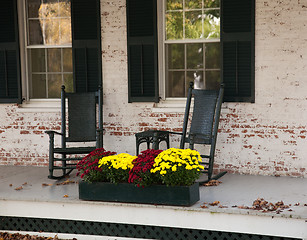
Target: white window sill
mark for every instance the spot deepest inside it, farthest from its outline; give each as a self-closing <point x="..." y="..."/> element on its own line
<point x="40" y="105"/>
<point x="170" y="105"/>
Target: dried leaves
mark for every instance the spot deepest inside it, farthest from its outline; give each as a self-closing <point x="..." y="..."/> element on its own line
<point x="66" y="182"/>
<point x="212" y="183"/>
<point x="17" y="236"/>
<point x="259" y="204"/>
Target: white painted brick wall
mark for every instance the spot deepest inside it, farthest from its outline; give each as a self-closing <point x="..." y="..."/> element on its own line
<point x="266" y="138"/>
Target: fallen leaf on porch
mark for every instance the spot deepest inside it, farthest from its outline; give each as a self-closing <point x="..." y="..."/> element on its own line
<point x="243" y="207"/>
<point x="11" y="185"/>
<point x="297" y="204"/>
<point x="18" y="236"/>
<point x="203" y="206"/>
<point x="46" y="184"/>
<point x="221" y="206"/>
<point x="278" y="211"/>
<point x="290" y="210"/>
<point x="19" y="188"/>
<point x="65" y="196"/>
<point x="66" y="182"/>
<point x="25" y="183"/>
<point x="212" y="183"/>
<point x="305" y="205"/>
<point x="215" y="203"/>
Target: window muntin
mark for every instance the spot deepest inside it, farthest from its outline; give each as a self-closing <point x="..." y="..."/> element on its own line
<point x="49" y="50"/>
<point x="191" y="38"/>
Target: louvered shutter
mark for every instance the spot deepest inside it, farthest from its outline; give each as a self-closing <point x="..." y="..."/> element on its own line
<point x="10" y="91"/>
<point x="142" y="50"/>
<point x="86" y="45"/>
<point x="238" y="49"/>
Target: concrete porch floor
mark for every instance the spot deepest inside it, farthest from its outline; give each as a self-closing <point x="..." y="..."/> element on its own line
<point x="61" y="202"/>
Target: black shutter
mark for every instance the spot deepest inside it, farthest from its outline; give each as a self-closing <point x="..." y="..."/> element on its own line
<point x="10" y="91"/>
<point x="142" y="50"/>
<point x="86" y="45"/>
<point x="238" y="49"/>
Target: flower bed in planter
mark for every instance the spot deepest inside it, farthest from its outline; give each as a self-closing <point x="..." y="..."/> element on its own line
<point x="155" y="177"/>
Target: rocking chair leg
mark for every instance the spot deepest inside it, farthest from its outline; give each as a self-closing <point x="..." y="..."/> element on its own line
<point x="51" y="156"/>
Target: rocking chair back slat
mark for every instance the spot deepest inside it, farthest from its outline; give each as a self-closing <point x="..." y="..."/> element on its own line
<point x="203" y="115"/>
<point x="82" y="119"/>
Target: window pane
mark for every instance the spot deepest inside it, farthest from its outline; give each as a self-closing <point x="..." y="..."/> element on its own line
<point x="54" y="85"/>
<point x="197" y="78"/>
<point x="174" y="25"/>
<point x="35" y="32"/>
<point x="212" y="3"/>
<point x="38" y="86"/>
<point x="68" y="82"/>
<point x="50" y="8"/>
<point x="64" y="8"/>
<point x="193" y="25"/>
<point x="67" y="60"/>
<point x="174" y="4"/>
<point x="213" y="79"/>
<point x="33" y="8"/>
<point x="65" y="31"/>
<point x="175" y="56"/>
<point x="52" y="30"/>
<point x="176" y="84"/>
<point x="193" y="4"/>
<point x="195" y="56"/>
<point x="212" y="24"/>
<point x="38" y="63"/>
<point x="212" y="55"/>
<point x="54" y="60"/>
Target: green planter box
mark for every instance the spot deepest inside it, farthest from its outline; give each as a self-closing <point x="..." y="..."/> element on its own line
<point x="125" y="192"/>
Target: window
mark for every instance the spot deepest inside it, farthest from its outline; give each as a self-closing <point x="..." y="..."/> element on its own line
<point x="49" y="47"/>
<point x="192" y="45"/>
<point x="207" y="41"/>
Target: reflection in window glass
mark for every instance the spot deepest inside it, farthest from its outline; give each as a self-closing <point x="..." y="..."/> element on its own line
<point x="195" y="55"/>
<point x="176" y="56"/>
<point x="174" y="4"/>
<point x="54" y="84"/>
<point x="193" y="4"/>
<point x="174" y="25"/>
<point x="49" y="47"/>
<point x="192" y="45"/>
<point x="38" y="86"/>
<point x="212" y="56"/>
<point x="37" y="59"/>
<point x="54" y="59"/>
<point x="192" y="19"/>
<point x="193" y="25"/>
<point x="176" y="84"/>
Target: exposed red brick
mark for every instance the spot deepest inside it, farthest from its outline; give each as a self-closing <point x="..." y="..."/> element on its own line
<point x="143" y="124"/>
<point x="162" y="119"/>
<point x="24" y="132"/>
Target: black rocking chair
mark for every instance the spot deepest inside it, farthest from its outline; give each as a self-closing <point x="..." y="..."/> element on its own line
<point x="81" y="123"/>
<point x="203" y="126"/>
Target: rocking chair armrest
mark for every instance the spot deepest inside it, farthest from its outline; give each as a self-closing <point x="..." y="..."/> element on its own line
<point x="53" y="132"/>
<point x="178" y="133"/>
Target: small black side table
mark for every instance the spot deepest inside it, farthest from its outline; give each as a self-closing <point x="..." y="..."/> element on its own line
<point x="151" y="136"/>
